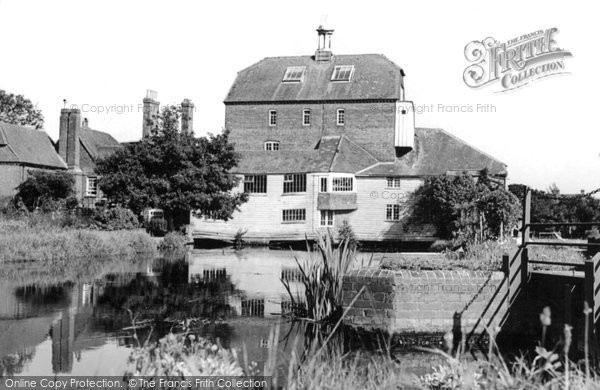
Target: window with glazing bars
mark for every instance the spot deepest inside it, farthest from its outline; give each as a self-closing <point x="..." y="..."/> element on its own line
<point x="306" y="117"/>
<point x="293" y="215"/>
<point x="255" y="184"/>
<point x="342" y="184"/>
<point x="253" y="307"/>
<point x="342" y="73"/>
<point x="392" y="212"/>
<point x="294" y="74"/>
<point x="323" y="187"/>
<point x="341" y="117"/>
<point x="294" y="183"/>
<point x="326" y="217"/>
<point x="393" y="182"/>
<point x="271" y="145"/>
<point x="272" y="118"/>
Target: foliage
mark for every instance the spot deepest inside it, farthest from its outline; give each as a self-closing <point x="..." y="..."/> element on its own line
<point x="546" y="208"/>
<point x="173" y="171"/>
<point x="18" y="110"/>
<point x="56" y="246"/>
<point x="173" y="244"/>
<point x="180" y="356"/>
<point x="346" y="233"/>
<point x="45" y="189"/>
<point x="238" y="240"/>
<point x="114" y="218"/>
<point x="321" y="274"/>
<point x="466" y="209"/>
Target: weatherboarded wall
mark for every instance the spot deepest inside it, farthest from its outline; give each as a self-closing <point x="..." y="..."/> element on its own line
<point x="424" y="301"/>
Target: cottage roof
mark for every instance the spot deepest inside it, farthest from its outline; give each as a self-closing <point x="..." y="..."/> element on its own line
<point x="98" y="143"/>
<point x="374" y="77"/>
<point x="23" y="145"/>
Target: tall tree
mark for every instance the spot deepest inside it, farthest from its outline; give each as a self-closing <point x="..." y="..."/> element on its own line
<point x="18" y="110"/>
<point x="173" y="171"/>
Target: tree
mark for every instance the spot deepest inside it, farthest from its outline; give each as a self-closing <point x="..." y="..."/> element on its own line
<point x="173" y="171"/>
<point x="463" y="208"/>
<point x="18" y="110"/>
<point x="43" y="188"/>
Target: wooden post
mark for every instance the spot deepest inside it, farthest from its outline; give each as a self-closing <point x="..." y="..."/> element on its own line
<point x="526" y="217"/>
<point x="506" y="265"/>
<point x="589" y="294"/>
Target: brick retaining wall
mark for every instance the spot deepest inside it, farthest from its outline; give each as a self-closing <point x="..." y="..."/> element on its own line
<point x="424" y="301"/>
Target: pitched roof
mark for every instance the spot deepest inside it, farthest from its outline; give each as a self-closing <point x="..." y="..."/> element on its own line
<point x="98" y="143"/>
<point x="436" y="152"/>
<point x="374" y="77"/>
<point x="22" y="145"/>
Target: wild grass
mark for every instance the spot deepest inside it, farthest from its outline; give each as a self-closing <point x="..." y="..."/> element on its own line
<point x="321" y="275"/>
<point x="485" y="256"/>
<point x="63" y="245"/>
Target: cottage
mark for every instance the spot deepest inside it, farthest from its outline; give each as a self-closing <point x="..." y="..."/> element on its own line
<point x="23" y="149"/>
<point x="80" y="147"/>
<point x="328" y="138"/>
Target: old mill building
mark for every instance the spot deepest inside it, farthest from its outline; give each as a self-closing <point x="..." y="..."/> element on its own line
<point x="328" y="138"/>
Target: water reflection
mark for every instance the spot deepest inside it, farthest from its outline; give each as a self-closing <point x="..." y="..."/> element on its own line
<point x="88" y="325"/>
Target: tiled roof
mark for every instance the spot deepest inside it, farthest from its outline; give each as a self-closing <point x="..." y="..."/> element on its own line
<point x="22" y="145"/>
<point x="374" y="77"/>
<point x="436" y="152"/>
<point x="98" y="143"/>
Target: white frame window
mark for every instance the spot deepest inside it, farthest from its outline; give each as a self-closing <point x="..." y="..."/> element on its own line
<point x="294" y="74"/>
<point x="293" y="215"/>
<point x="272" y="145"/>
<point x="342" y="184"/>
<point x="342" y="73"/>
<point x="340" y="117"/>
<point x="392" y="212"/>
<point x="393" y="182"/>
<point x="323" y="184"/>
<point x="327" y="218"/>
<point x="294" y="182"/>
<point x="306" y="117"/>
<point x="255" y="184"/>
<point x="272" y="118"/>
<point x="91" y="186"/>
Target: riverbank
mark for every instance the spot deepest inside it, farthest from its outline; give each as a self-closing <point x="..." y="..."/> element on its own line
<point x="39" y="244"/>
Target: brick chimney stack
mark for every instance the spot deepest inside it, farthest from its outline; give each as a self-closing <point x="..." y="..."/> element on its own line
<point x="150" y="116"/>
<point x="187" y="116"/>
<point x="323" y="52"/>
<point x="68" y="143"/>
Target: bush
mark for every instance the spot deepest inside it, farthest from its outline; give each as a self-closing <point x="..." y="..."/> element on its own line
<point x="346" y="234"/>
<point x="173" y="244"/>
<point x="43" y="189"/>
<point x="117" y="218"/>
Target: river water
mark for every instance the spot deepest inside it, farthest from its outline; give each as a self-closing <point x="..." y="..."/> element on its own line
<point x="85" y="320"/>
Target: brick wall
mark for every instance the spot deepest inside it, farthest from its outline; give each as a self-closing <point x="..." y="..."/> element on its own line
<point x="369" y="124"/>
<point x="424" y="301"/>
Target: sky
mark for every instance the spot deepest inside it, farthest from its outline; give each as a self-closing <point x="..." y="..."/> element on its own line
<point x="103" y="55"/>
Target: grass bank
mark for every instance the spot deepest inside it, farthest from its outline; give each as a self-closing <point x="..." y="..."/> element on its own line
<point x="57" y="246"/>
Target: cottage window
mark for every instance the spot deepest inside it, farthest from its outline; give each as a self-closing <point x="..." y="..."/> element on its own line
<point x="272" y="118"/>
<point x="294" y="74"/>
<point x="294" y="183"/>
<point x="306" y="117"/>
<point x="392" y="212"/>
<point x="341" y="117"/>
<point x="294" y="215"/>
<point x="91" y="186"/>
<point x="326" y="217"/>
<point x="342" y="184"/>
<point x="272" y="145"/>
<point x="393" y="182"/>
<point x="323" y="187"/>
<point x="255" y="184"/>
<point x="342" y="73"/>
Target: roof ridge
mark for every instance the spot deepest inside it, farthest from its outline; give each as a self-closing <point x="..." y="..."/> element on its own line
<point x="464" y="142"/>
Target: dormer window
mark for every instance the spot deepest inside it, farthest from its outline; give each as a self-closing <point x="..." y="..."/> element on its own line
<point x="272" y="145"/>
<point x="294" y="74"/>
<point x="342" y="73"/>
